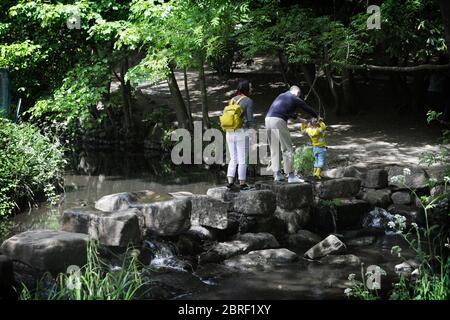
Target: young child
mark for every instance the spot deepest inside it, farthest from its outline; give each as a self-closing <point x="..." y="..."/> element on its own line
<point x="315" y="129"/>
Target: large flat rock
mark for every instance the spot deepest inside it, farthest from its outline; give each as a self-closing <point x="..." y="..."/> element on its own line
<point x="329" y="245"/>
<point x="339" y="215"/>
<point x="377" y="198"/>
<point x="294" y="219"/>
<point x="167" y="218"/>
<point x="221" y="193"/>
<point x="125" y="200"/>
<point x="415" y="177"/>
<point x="339" y="188"/>
<point x="209" y="212"/>
<point x="290" y="196"/>
<point x="47" y="250"/>
<point x="119" y="228"/>
<point x="255" y="202"/>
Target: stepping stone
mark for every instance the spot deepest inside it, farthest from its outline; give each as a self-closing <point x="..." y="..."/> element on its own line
<point x="47" y="250"/>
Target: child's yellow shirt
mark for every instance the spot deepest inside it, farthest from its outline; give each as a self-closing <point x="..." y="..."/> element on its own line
<point x="317" y="135"/>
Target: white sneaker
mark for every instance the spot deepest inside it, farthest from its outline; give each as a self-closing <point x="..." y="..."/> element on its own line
<point x="294" y="179"/>
<point x="279" y="177"/>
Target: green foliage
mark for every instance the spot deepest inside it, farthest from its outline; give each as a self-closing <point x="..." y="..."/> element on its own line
<point x="408" y="28"/>
<point x="70" y="105"/>
<point x="432" y="249"/>
<point x="429" y="286"/>
<point x="30" y="166"/>
<point x="304" y="161"/>
<point x="330" y="203"/>
<point x="95" y="281"/>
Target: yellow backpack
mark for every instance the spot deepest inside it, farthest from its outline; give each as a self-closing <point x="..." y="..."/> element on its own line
<point x="232" y="119"/>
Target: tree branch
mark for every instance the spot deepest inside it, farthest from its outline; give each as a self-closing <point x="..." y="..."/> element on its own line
<point x="422" y="67"/>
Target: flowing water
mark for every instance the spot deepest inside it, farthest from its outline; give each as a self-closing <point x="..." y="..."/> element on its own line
<point x="93" y="176"/>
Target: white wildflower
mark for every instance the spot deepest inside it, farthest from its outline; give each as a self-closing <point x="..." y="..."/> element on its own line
<point x="398" y="179"/>
<point x="391" y="224"/>
<point x="348" y="291"/>
<point x="351" y="276"/>
<point x="414" y="225"/>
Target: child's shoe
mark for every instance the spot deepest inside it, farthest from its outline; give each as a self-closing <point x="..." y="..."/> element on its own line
<point x="317" y="172"/>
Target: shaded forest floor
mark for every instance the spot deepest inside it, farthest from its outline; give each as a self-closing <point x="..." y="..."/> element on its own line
<point x="379" y="133"/>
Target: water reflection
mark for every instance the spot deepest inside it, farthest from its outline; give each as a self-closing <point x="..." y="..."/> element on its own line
<point x="91" y="176"/>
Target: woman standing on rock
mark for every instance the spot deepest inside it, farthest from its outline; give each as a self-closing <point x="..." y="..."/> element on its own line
<point x="237" y="139"/>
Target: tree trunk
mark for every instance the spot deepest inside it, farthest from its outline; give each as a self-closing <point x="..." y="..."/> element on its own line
<point x="126" y="96"/>
<point x="310" y="80"/>
<point x="332" y="84"/>
<point x="445" y="11"/>
<point x="202" y="79"/>
<point x="283" y="68"/>
<point x="180" y="107"/>
<point x="348" y="86"/>
<point x="188" y="96"/>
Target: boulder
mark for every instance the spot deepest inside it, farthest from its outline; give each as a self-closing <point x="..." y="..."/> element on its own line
<point x="124" y="200"/>
<point x="240" y="223"/>
<point x="243" y="243"/>
<point x="294" y="219"/>
<point x="209" y="212"/>
<point x="350" y="213"/>
<point x="410" y="212"/>
<point x="416" y="179"/>
<point x="354" y="172"/>
<point x="290" y="196"/>
<point x="339" y="188"/>
<point x="376" y="179"/>
<point x="440" y="190"/>
<point x="437" y="172"/>
<point x="119" y="228"/>
<point x="439" y="214"/>
<point x="200" y="233"/>
<point x="221" y="193"/>
<point x="167" y="218"/>
<point x="329" y="245"/>
<point x="258" y="240"/>
<point x="340" y="214"/>
<point x="361" y="241"/>
<point x="47" y="250"/>
<point x="401" y="197"/>
<point x="377" y="198"/>
<point x="255" y="202"/>
<point x="342" y="260"/>
<point x="334" y="173"/>
<point x="7" y="280"/>
<point x="303" y="239"/>
<point x="270" y="224"/>
<point x="261" y="259"/>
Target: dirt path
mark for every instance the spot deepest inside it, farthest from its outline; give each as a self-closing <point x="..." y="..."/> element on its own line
<point x="379" y="135"/>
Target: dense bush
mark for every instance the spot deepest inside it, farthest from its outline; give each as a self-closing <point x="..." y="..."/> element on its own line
<point x="30" y="166"/>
